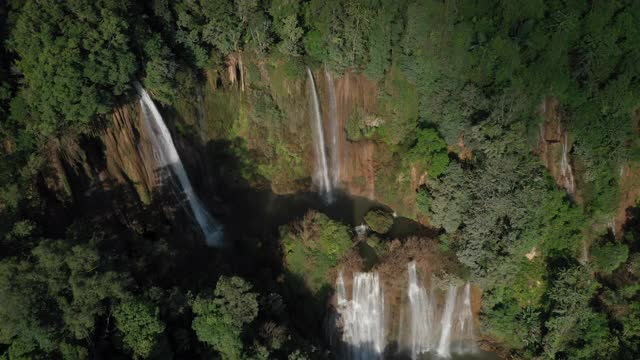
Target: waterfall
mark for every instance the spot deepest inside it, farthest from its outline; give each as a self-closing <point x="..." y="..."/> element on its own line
<point x="465" y="322"/>
<point x="612" y="226"/>
<point x="363" y="323"/>
<point x="322" y="170"/>
<point x="565" y="166"/>
<point x="341" y="291"/>
<point x="334" y="149"/>
<point x="421" y="315"/>
<point x="167" y="155"/>
<point x="446" y="323"/>
<point x="427" y="328"/>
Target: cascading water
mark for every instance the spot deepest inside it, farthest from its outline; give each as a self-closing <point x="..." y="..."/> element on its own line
<point x="334" y="149"/>
<point x="421" y="315"/>
<point x="444" y="345"/>
<point x="341" y="291"/>
<point x="363" y="321"/>
<point x="167" y="155"/>
<point x="428" y="329"/>
<point x="565" y="166"/>
<point x="322" y="169"/>
<point x="465" y="322"/>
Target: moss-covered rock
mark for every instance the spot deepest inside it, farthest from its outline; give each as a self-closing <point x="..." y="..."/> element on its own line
<point x="379" y="221"/>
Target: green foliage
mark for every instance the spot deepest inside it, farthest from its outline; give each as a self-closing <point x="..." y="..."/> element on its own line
<point x="285" y="17"/>
<point x="379" y="220"/>
<point x="575" y="329"/>
<point x="352" y="34"/>
<point x="22" y="322"/>
<point x="453" y="73"/>
<point x="71" y="276"/>
<point x="360" y="125"/>
<point x="423" y="200"/>
<point x="446" y="199"/>
<point x="207" y="26"/>
<point x="430" y="150"/>
<point x="138" y="321"/>
<point x="220" y="320"/>
<point x="609" y="257"/>
<point x="160" y="70"/>
<point x="73" y="77"/>
<point x="399" y="109"/>
<point x="631" y="328"/>
<point x="313" y="246"/>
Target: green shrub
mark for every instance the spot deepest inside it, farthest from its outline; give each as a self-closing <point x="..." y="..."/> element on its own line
<point x="423" y="199"/>
<point x="313" y="246"/>
<point x="379" y="221"/>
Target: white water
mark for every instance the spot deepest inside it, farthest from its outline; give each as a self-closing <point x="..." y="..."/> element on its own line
<point x="341" y="291"/>
<point x="167" y="155"/>
<point x="465" y="323"/>
<point x="322" y="169"/>
<point x="444" y="345"/>
<point x="334" y="149"/>
<point x="361" y="231"/>
<point x="565" y="167"/>
<point x="363" y="323"/>
<point x="612" y="226"/>
<point x="421" y="315"/>
<point x="427" y="328"/>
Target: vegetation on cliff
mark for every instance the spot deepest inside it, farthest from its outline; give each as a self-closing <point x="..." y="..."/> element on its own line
<point x="454" y="122"/>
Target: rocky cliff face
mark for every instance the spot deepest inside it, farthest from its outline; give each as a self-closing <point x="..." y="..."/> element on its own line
<point x="255" y="129"/>
<point x="554" y="147"/>
<point x="120" y="154"/>
<point x="356" y="158"/>
<point x="128" y="151"/>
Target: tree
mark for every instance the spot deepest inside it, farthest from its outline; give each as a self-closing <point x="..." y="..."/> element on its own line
<point x="160" y="70"/>
<point x="430" y="150"/>
<point x="574" y="329"/>
<point x="220" y="320"/>
<point x="285" y="17"/>
<point x="138" y="321"/>
<point x="609" y="257"/>
<point x="75" y="57"/>
<point x="78" y="281"/>
<point x="446" y="199"/>
<point x="23" y="323"/>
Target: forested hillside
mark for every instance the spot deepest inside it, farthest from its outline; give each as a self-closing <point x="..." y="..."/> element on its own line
<point x="506" y="133"/>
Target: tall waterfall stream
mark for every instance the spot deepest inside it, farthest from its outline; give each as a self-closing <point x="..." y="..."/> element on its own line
<point x="166" y="155"/>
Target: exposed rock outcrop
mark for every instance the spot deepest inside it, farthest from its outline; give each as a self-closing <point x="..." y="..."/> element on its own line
<point x="554" y="147"/>
<point x="128" y="152"/>
<point x="118" y="154"/>
<point x="357" y="158"/>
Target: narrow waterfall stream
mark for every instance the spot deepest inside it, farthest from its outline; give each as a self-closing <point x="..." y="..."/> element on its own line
<point x="565" y="166"/>
<point x="363" y="320"/>
<point x="166" y="155"/>
<point x="421" y="315"/>
<point x="334" y="149"/>
<point x="446" y="323"/>
<point x="466" y="341"/>
<point x="322" y="168"/>
<point x="438" y="330"/>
